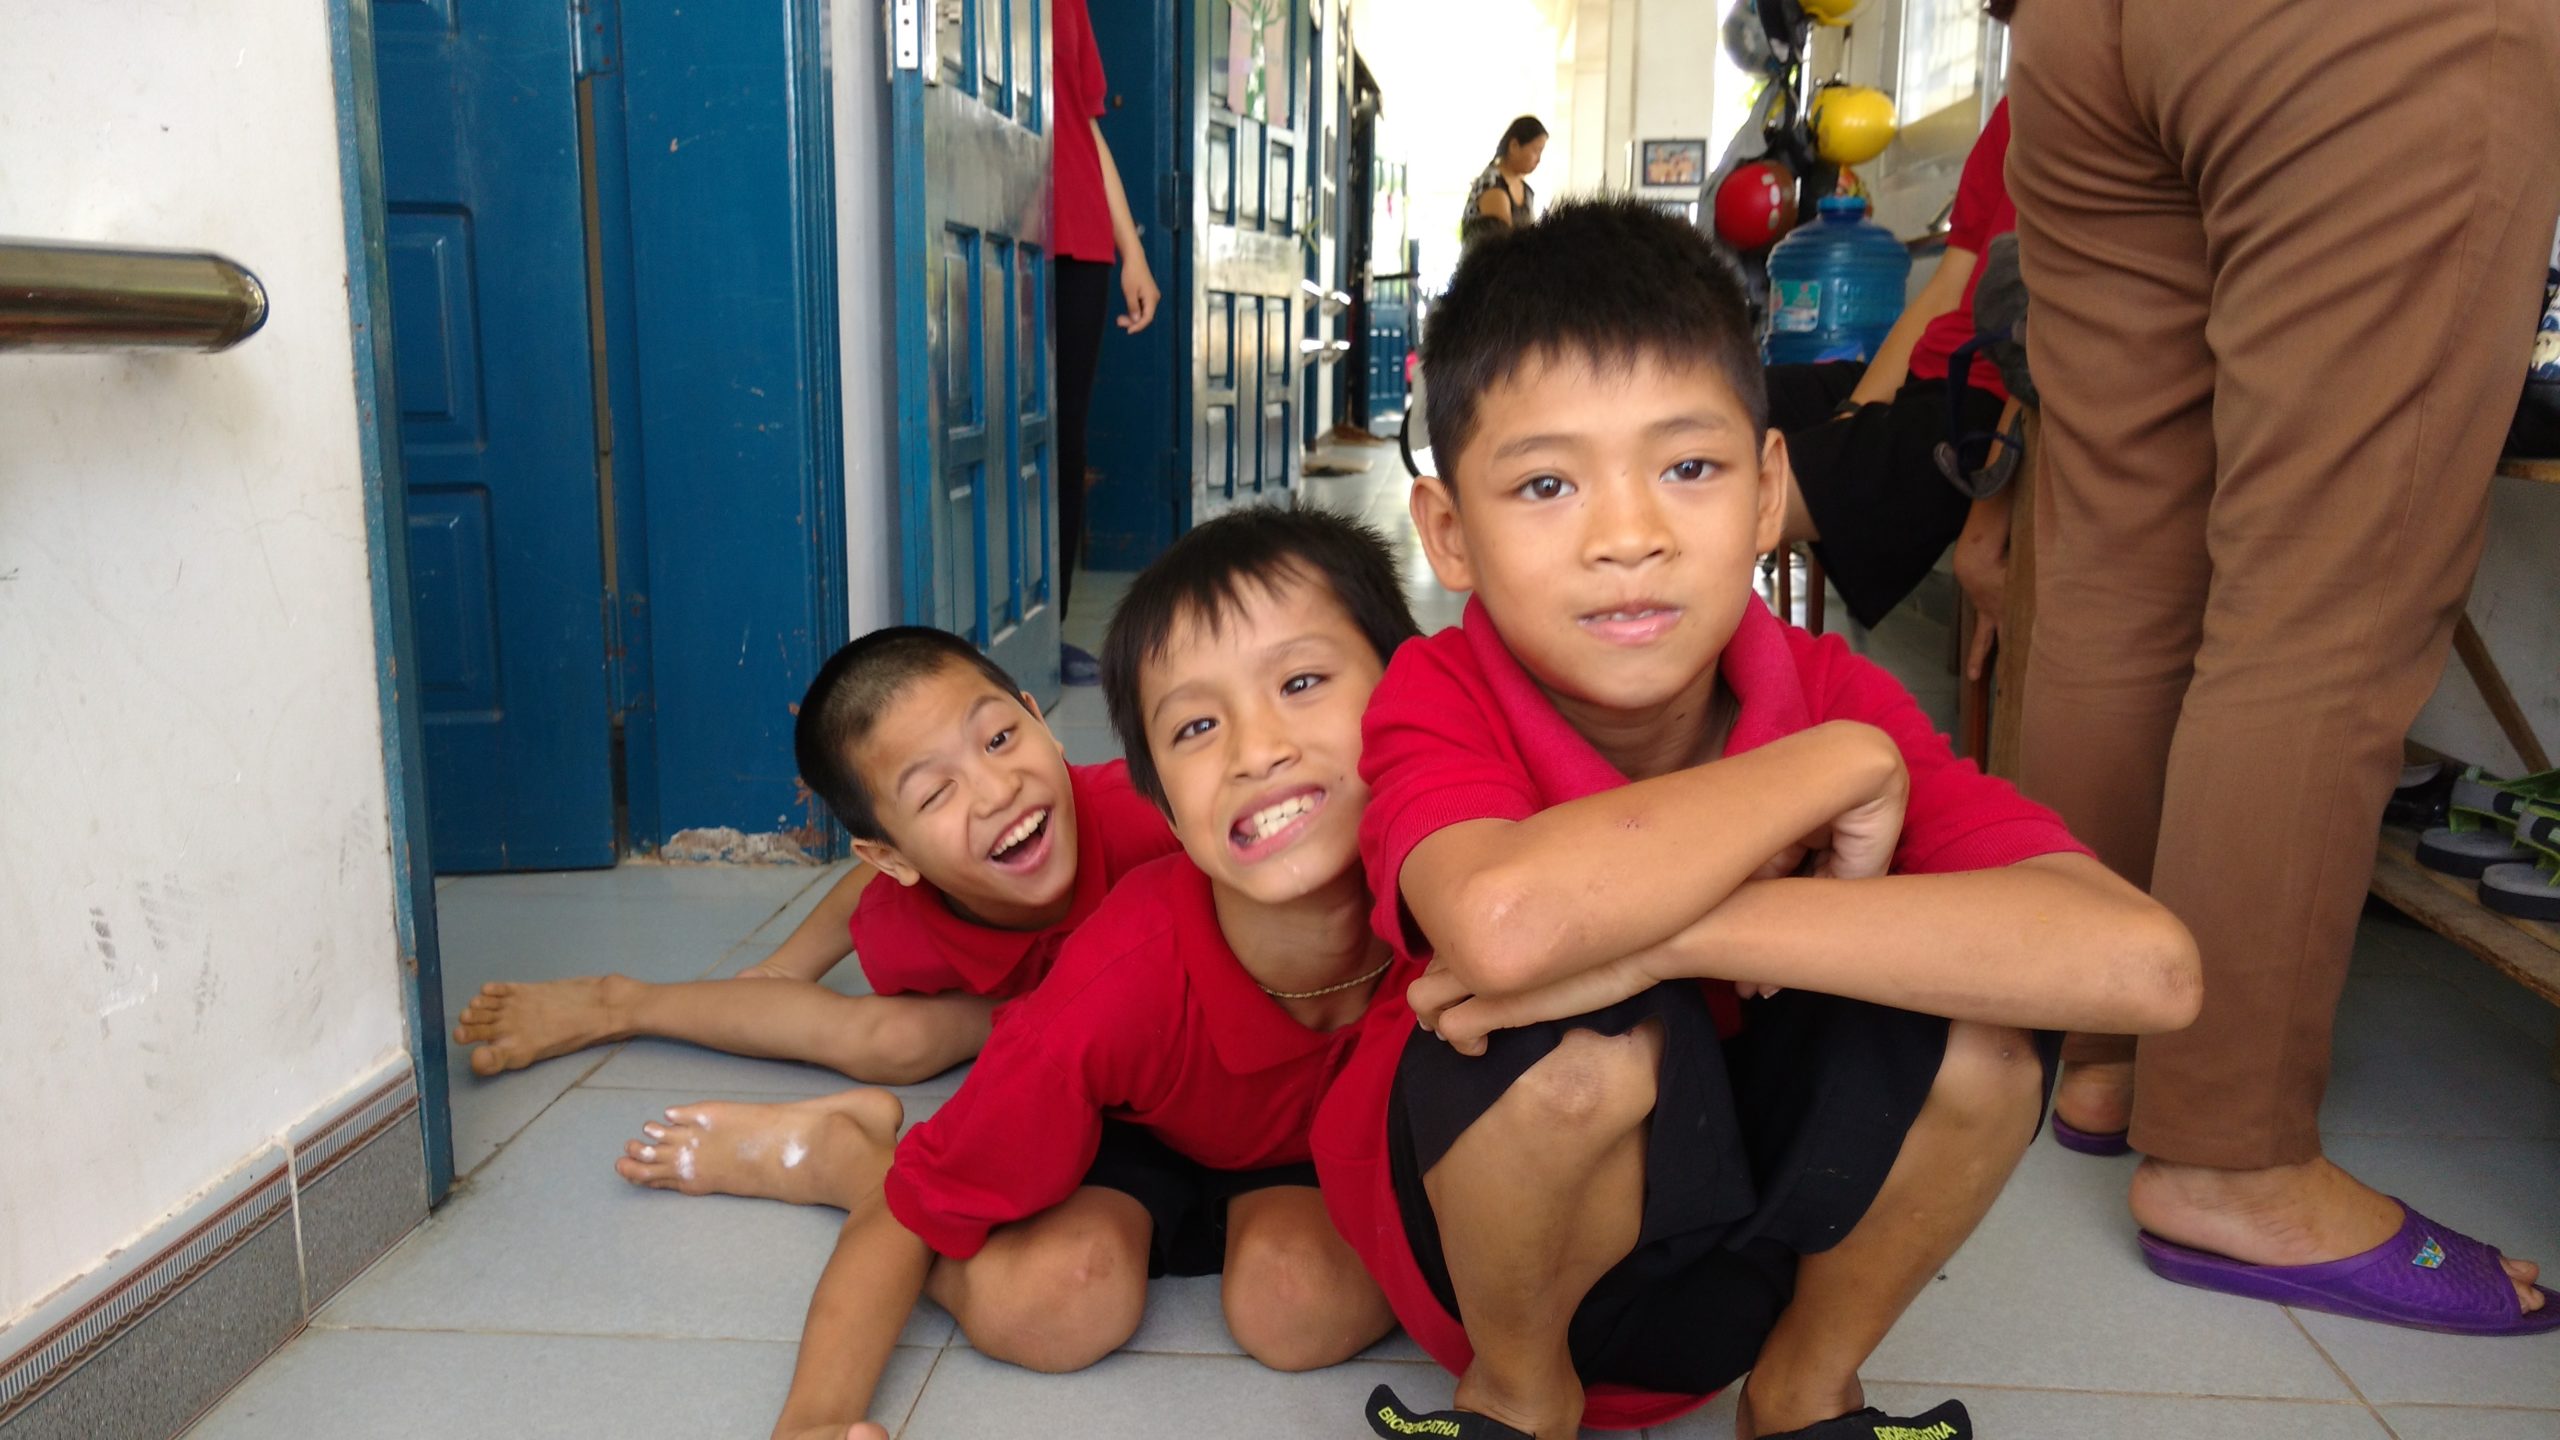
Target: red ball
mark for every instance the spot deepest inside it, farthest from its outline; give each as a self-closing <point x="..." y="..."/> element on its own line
<point x="1756" y="205"/>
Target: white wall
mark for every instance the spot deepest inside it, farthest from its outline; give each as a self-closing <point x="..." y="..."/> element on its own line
<point x="196" y="935"/>
<point x="868" y="320"/>
<point x="1673" y="64"/>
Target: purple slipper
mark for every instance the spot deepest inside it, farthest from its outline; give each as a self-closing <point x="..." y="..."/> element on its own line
<point x="2425" y="1278"/>
<point x="2089" y="1142"/>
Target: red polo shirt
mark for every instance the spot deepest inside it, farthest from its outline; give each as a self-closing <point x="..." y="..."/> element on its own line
<point x="1983" y="213"/>
<point x="1080" y="221"/>
<point x="1458" y="731"/>
<point x="909" y="941"/>
<point x="1150" y="1018"/>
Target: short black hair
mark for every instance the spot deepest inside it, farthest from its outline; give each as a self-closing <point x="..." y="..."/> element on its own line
<point x="1521" y="132"/>
<point x="1203" y="576"/>
<point x="853" y="690"/>
<point x="1612" y="280"/>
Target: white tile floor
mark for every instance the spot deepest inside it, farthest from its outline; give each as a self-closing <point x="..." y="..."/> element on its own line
<point x="549" y="1298"/>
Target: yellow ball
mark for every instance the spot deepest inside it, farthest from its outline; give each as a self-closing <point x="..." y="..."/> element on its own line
<point x="1828" y="12"/>
<point x="1851" y="124"/>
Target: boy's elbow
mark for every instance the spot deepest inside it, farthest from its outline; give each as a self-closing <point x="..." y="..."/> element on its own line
<point x="1481" y="941"/>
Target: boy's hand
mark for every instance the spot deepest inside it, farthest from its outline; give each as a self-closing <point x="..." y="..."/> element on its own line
<point x="1862" y="839"/>
<point x="1442" y="1002"/>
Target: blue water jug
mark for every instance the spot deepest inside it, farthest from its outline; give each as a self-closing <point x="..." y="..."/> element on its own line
<point x="1835" y="287"/>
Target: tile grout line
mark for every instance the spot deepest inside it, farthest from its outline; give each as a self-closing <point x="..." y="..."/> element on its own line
<point x="2352" y="1387"/>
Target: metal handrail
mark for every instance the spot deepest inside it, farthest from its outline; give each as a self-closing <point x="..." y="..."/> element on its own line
<point x="65" y="295"/>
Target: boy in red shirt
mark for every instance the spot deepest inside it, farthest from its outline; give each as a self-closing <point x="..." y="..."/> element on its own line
<point x="1147" y="1109"/>
<point x="1615" y="800"/>
<point x="993" y="850"/>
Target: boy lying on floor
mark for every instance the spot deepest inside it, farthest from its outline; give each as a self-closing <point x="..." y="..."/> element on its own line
<point x="954" y="790"/>
<point x="1147" y="1109"/>
<point x="1592" y="809"/>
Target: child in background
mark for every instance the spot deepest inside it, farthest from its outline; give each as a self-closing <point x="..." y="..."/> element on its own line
<point x="982" y="850"/>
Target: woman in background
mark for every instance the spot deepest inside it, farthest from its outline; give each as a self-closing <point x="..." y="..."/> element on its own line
<point x="1502" y="194"/>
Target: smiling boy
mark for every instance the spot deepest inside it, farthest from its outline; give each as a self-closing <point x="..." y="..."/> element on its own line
<point x="982" y="850"/>
<point x="1617" y="799"/>
<point x="1148" y="1108"/>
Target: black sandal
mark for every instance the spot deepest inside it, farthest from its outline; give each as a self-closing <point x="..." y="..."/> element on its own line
<point x="1393" y="1421"/>
<point x="1947" y="1422"/>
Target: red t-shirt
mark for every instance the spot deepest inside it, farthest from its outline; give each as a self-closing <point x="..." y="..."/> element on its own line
<point x="1458" y="731"/>
<point x="1982" y="214"/>
<point x="1148" y="1018"/>
<point x="1080" y="224"/>
<point x="908" y="940"/>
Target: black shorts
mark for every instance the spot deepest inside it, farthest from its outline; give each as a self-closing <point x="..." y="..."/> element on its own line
<point x="1763" y="1148"/>
<point x="1186" y="1200"/>
<point x="1870" y="479"/>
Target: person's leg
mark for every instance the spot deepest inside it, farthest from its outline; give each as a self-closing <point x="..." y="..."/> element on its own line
<point x="2114" y="250"/>
<point x="1296" y="1296"/>
<point x="1058" y="1291"/>
<point x="1535" y="1201"/>
<point x="2379" y="244"/>
<point x="877" y="1039"/>
<point x="1080" y="296"/>
<point x="1978" y="1119"/>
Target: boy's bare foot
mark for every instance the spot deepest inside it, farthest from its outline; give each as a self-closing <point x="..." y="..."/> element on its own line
<point x="2284" y="1215"/>
<point x="1762" y="1410"/>
<point x="517" y="1024"/>
<point x="2096" y="1096"/>
<point x="1559" y="1418"/>
<point x="825" y="1151"/>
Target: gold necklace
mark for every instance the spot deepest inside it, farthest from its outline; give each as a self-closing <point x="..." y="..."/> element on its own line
<point x="1329" y="989"/>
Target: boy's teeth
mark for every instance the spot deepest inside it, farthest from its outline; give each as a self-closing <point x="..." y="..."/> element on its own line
<point x="1020" y="832"/>
<point x="1263" y="823"/>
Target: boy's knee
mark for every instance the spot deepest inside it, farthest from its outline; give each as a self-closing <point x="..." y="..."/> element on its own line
<point x="1590" y="1085"/>
<point x="907" y="1046"/>
<point x="1295" y="1303"/>
<point x="1992" y="1076"/>
<point x="1062" y="1306"/>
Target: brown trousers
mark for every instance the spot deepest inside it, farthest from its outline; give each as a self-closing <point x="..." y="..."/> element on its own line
<point x="2285" y="260"/>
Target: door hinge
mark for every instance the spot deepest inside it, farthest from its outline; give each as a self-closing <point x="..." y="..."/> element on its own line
<point x="906" y="33"/>
<point x="1173" y="198"/>
<point x="592" y="30"/>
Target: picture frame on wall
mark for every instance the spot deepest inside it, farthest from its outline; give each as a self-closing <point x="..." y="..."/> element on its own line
<point x="1672" y="164"/>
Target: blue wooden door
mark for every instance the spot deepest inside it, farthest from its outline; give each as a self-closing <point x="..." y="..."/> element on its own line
<point x="969" y="126"/>
<point x="1249" y="204"/>
<point x="488" y="271"/>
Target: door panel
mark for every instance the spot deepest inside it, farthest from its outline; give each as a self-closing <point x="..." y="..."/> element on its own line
<point x="487" y="266"/>
<point x="970" y="175"/>
<point x="1248" y="143"/>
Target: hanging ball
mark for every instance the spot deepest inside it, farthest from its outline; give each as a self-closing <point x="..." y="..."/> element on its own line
<point x="1746" y="39"/>
<point x="1756" y="206"/>
<point x="1829" y="12"/>
<point x="1852" y="124"/>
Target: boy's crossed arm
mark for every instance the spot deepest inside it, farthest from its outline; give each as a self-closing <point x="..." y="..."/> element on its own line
<point x="871" y="1284"/>
<point x="1510" y="906"/>
<point x="2056" y="942"/>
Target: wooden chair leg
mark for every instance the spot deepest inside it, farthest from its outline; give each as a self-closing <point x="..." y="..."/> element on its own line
<point x="1973" y="697"/>
<point x="2018" y="627"/>
<point x="1813" y="593"/>
<point x="1787" y="582"/>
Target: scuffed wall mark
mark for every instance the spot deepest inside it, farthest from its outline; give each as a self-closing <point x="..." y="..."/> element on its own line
<point x="104" y="937"/>
<point x="722" y="845"/>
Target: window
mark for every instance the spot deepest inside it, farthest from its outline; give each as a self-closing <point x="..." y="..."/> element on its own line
<point x="1941" y="56"/>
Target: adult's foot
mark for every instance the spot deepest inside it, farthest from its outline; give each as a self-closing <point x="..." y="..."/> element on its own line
<point x="2096" y="1097"/>
<point x="823" y="1151"/>
<point x="516" y="1024"/>
<point x="2285" y="1215"/>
